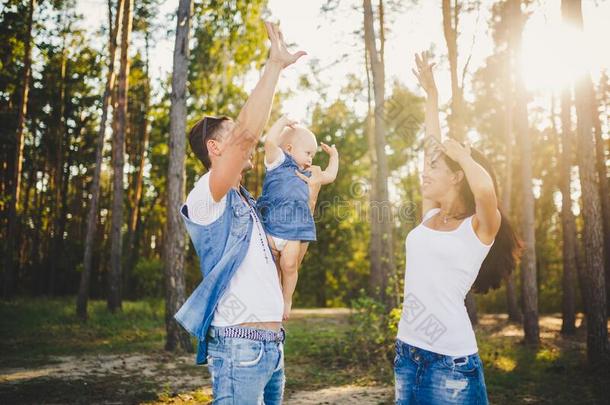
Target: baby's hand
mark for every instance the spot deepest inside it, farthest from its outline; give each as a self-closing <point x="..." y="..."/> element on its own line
<point x="330" y="173"/>
<point x="330" y="150"/>
<point x="285" y="121"/>
<point x="272" y="139"/>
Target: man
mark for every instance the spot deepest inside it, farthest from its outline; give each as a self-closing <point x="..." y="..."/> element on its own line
<point x="236" y="311"/>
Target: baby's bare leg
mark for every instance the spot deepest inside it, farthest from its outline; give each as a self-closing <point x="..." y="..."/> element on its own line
<point x="276" y="255"/>
<point x="289" y="263"/>
<point x="302" y="252"/>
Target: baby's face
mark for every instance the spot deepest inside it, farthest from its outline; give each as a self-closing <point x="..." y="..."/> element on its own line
<point x="303" y="149"/>
<point x="302" y="146"/>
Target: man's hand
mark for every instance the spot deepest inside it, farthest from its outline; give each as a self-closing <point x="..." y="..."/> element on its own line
<point x="246" y="132"/>
<point x="279" y="52"/>
<point x="287" y="309"/>
<point x="314" y="182"/>
<point x="424" y="73"/>
<point x="316" y="179"/>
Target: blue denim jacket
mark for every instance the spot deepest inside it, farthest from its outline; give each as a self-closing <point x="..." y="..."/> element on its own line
<point x="284" y="204"/>
<point x="221" y="247"/>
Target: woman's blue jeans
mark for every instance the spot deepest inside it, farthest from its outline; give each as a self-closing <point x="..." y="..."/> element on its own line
<point x="426" y="378"/>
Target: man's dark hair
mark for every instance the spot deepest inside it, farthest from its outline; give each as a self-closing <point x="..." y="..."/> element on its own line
<point x="205" y="129"/>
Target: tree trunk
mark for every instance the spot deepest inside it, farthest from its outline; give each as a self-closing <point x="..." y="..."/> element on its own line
<point x="450" y="31"/>
<point x="139" y="177"/>
<point x="375" y="239"/>
<point x="23" y="259"/>
<point x="58" y="242"/>
<point x="118" y="162"/>
<point x="597" y="329"/>
<point x="512" y="303"/>
<point x="54" y="256"/>
<point x="92" y="214"/>
<point x="382" y="265"/>
<point x="582" y="282"/>
<point x="13" y="203"/>
<point x="174" y="240"/>
<point x="604" y="192"/>
<point x="528" y="262"/>
<point x="568" y="224"/>
<point x="39" y="228"/>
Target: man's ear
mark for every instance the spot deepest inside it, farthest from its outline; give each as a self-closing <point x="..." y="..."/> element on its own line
<point x="213" y="147"/>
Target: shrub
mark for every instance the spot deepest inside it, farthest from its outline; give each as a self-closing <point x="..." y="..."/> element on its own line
<point x="370" y="340"/>
<point x="148" y="278"/>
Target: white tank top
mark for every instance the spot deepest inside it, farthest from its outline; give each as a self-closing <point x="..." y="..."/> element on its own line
<point x="441" y="266"/>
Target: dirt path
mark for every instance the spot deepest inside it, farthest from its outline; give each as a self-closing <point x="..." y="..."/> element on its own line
<point x="344" y="395"/>
<point x="136" y="377"/>
<point x="177" y="375"/>
<point x="175" y="371"/>
<point x="139" y="377"/>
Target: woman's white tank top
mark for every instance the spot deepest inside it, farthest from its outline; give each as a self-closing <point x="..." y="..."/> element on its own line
<point x="441" y="266"/>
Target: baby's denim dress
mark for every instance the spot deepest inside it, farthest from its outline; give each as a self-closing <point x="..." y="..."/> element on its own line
<point x="284" y="205"/>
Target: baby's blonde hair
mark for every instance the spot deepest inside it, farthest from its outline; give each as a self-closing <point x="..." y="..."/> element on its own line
<point x="292" y="135"/>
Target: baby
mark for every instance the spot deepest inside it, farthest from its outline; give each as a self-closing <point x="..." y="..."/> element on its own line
<point x="284" y="204"/>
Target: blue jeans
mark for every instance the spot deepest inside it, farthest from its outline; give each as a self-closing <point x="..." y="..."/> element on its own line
<point x="246" y="371"/>
<point x="428" y="378"/>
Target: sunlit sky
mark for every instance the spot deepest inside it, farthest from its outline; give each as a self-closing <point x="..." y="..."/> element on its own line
<point x="333" y="47"/>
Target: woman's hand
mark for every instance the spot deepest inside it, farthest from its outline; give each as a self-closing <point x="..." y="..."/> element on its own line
<point x="279" y="53"/>
<point x="424" y="73"/>
<point x="456" y="150"/>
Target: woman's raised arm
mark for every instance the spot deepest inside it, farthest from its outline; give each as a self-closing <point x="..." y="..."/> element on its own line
<point x="432" y="138"/>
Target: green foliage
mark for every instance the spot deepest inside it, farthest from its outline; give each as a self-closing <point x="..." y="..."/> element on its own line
<point x="336" y="266"/>
<point x="373" y="331"/>
<point x="148" y="276"/>
<point x="228" y="43"/>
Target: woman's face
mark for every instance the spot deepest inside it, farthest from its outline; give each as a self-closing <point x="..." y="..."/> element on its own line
<point x="438" y="179"/>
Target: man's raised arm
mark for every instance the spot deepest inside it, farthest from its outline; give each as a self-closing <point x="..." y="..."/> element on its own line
<point x="238" y="145"/>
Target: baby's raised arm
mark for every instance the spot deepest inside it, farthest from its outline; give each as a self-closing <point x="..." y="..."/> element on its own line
<point x="272" y="140"/>
<point x="330" y="173"/>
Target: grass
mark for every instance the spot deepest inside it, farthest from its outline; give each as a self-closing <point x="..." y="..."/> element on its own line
<point x="555" y="372"/>
<point x="41" y="328"/>
<point x="319" y="354"/>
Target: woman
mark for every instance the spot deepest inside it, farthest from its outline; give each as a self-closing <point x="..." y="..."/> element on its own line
<point x="463" y="240"/>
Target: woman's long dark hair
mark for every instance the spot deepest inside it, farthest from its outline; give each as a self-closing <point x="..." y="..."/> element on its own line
<point x="506" y="250"/>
